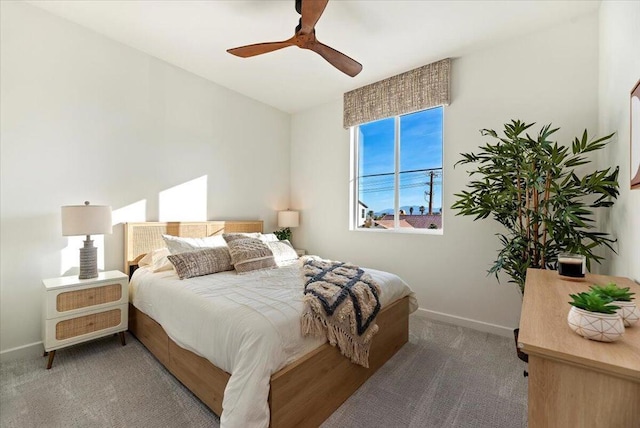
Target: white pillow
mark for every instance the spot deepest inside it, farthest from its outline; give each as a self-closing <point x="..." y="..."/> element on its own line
<point x="283" y="252"/>
<point x="269" y="237"/>
<point x="156" y="260"/>
<point x="177" y="244"/>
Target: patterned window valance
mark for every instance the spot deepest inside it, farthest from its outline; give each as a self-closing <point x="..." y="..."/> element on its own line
<point x="418" y="89"/>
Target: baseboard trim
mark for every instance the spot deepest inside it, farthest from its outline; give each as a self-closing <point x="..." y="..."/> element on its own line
<point x="465" y="322"/>
<point x="23" y="351"/>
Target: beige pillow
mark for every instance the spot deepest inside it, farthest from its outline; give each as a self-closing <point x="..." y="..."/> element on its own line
<point x="283" y="252"/>
<point x="147" y="260"/>
<point x="249" y="254"/>
<point x="156" y="260"/>
<point x="200" y="262"/>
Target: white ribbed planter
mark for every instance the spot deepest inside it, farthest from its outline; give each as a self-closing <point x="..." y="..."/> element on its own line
<point x="596" y="326"/>
<point x="629" y="312"/>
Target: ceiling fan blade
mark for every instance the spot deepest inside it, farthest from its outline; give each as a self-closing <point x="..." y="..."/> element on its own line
<point x="311" y="12"/>
<point x="259" y="48"/>
<point x="337" y="59"/>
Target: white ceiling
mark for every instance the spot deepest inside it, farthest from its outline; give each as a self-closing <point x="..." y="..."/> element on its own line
<point x="386" y="36"/>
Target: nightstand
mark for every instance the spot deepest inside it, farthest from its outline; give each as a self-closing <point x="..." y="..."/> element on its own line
<point x="77" y="310"/>
<point x="300" y="252"/>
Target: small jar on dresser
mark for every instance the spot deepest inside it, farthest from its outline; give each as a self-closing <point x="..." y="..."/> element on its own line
<point x="77" y="310"/>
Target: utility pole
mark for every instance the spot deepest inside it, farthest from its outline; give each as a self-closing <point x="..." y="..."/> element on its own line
<point x="431" y="174"/>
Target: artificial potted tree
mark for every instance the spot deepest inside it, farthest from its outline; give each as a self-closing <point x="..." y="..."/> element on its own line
<point x="595" y="317"/>
<point x="540" y="193"/>
<point x="620" y="297"/>
<point x="533" y="188"/>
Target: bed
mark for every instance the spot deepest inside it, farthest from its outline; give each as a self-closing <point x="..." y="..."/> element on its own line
<point x="314" y="380"/>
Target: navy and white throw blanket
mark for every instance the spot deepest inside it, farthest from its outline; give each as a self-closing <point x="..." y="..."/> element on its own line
<point x="340" y="301"/>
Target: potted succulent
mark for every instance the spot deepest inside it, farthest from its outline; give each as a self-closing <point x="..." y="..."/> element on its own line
<point x="594" y="317"/>
<point x="620" y="297"/>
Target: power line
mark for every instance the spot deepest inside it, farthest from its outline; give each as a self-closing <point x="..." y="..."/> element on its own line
<point x="401" y="172"/>
<point x="402" y="186"/>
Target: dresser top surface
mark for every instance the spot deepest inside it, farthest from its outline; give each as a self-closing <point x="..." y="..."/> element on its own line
<point x="544" y="329"/>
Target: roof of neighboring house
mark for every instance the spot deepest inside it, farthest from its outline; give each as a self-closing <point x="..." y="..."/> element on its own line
<point x="363" y="204"/>
<point x="416" y="221"/>
<point x="388" y="224"/>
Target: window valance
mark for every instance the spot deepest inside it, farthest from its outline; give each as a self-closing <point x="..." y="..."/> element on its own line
<point x="417" y="89"/>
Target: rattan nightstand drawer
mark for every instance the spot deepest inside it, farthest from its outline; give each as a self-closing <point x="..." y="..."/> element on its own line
<point x="77" y="328"/>
<point x="68" y="295"/>
<point x="87" y="324"/>
<point x="88" y="297"/>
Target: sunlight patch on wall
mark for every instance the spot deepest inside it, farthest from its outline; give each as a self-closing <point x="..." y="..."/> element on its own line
<point x="184" y="202"/>
<point x="132" y="213"/>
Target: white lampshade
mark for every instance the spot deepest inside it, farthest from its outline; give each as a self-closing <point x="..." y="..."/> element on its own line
<point x="86" y="220"/>
<point x="288" y="218"/>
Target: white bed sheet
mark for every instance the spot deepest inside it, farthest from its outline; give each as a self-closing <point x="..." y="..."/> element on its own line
<point x="247" y="325"/>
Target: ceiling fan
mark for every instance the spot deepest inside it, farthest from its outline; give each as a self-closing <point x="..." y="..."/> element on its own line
<point x="305" y="38"/>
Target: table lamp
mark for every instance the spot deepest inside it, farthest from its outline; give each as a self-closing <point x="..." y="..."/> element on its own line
<point x="287" y="219"/>
<point x="86" y="220"/>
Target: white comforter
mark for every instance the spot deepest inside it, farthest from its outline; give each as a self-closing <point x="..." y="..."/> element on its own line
<point x="247" y="325"/>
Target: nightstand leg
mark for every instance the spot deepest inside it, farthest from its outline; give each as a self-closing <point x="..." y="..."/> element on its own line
<point x="52" y="354"/>
<point x="45" y="353"/>
<point x="122" y="338"/>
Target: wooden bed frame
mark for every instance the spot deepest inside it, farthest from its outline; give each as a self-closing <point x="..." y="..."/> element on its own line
<point x="302" y="394"/>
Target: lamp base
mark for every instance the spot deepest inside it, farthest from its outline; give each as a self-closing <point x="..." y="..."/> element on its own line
<point x="88" y="260"/>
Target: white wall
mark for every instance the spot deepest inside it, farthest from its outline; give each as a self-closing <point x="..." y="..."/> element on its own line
<point x="619" y="72"/>
<point x="84" y="117"/>
<point x="550" y="76"/>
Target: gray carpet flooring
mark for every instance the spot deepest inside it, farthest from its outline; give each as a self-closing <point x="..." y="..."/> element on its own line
<point x="446" y="376"/>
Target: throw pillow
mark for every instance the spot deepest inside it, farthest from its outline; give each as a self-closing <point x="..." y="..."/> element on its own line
<point x="200" y="262"/>
<point x="233" y="236"/>
<point x="249" y="254"/>
<point x="283" y="252"/>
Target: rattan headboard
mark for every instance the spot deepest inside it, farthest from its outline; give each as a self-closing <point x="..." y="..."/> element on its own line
<point x="141" y="238"/>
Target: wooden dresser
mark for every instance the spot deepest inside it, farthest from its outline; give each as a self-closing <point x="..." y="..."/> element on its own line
<point x="576" y="382"/>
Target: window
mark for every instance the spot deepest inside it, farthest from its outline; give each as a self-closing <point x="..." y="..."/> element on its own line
<point x="397" y="172"/>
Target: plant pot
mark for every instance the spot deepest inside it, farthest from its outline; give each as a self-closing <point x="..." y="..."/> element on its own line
<point x="629" y="312"/>
<point x="524" y="357"/>
<point x="596" y="326"/>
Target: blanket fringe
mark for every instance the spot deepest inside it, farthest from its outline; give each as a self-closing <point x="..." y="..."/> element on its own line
<point x="312" y="325"/>
<point x="357" y="351"/>
<point x="340" y="327"/>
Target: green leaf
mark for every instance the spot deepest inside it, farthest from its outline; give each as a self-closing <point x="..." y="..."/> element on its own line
<point x="613" y="292"/>
<point x="593" y="302"/>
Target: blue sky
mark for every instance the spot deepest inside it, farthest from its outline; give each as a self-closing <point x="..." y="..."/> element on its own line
<point x="420" y="148"/>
